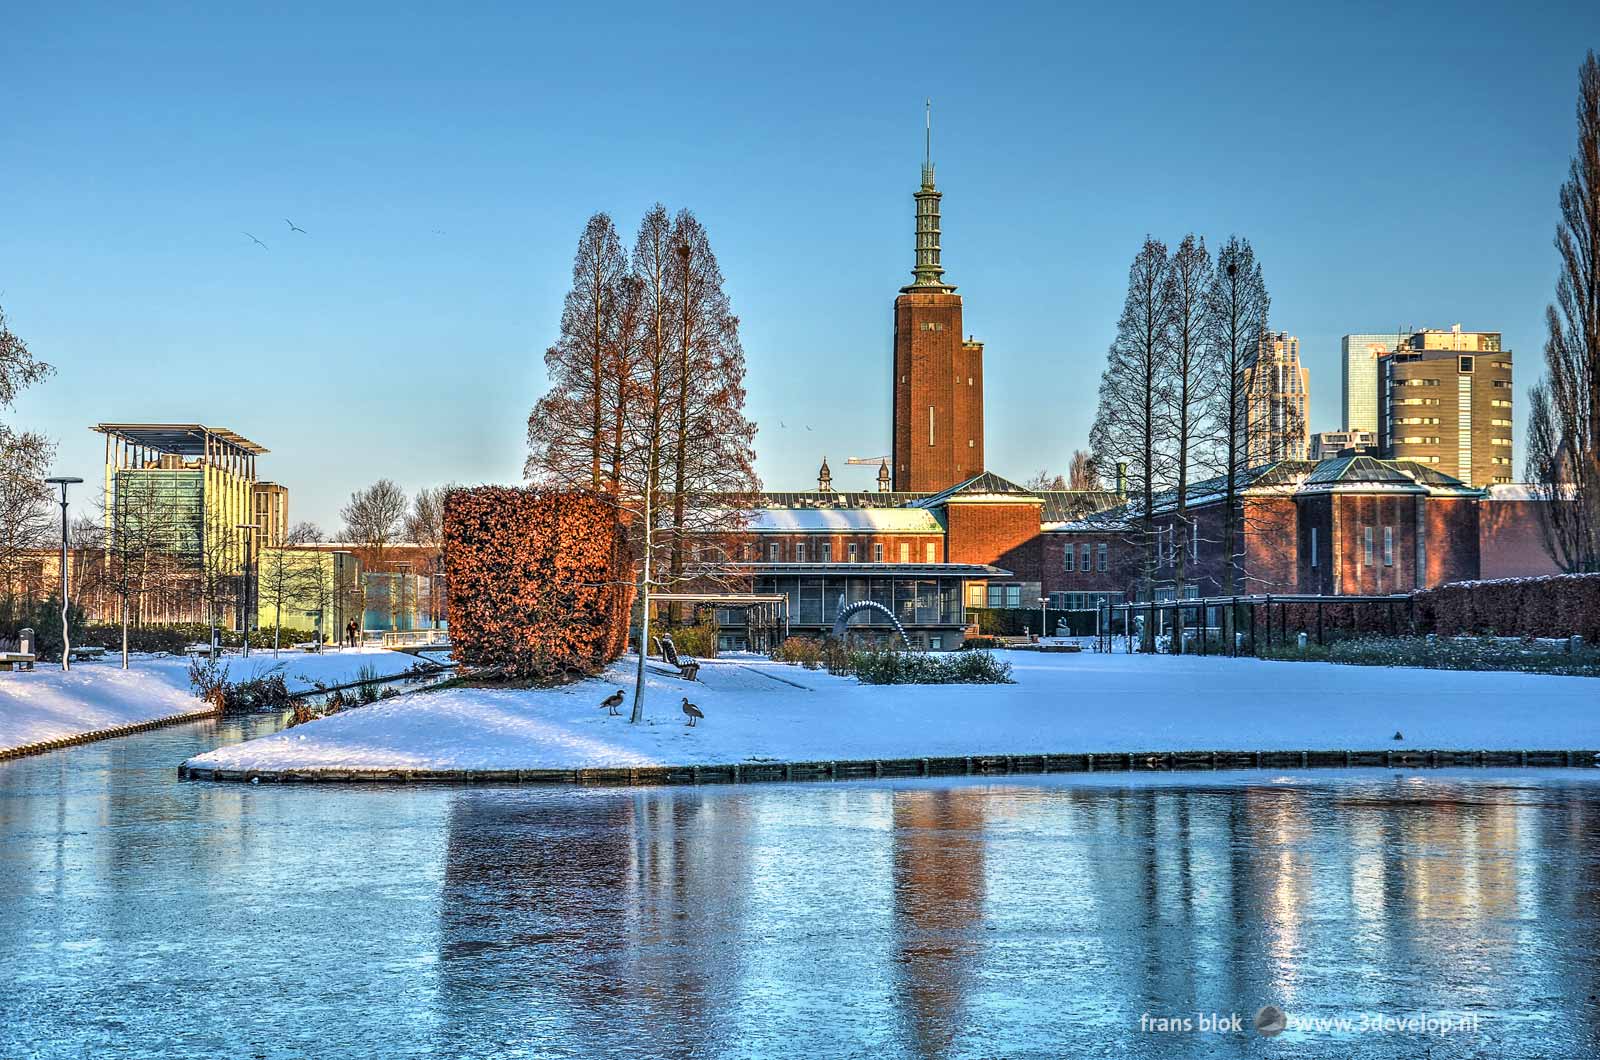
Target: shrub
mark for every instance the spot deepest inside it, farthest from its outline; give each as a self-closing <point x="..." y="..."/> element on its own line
<point x="1557" y="606"/>
<point x="698" y="640"/>
<point x="799" y="651"/>
<point x="540" y="582"/>
<point x="893" y="667"/>
<point x="1455" y="653"/>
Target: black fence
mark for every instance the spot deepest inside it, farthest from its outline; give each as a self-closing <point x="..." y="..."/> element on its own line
<point x="1253" y="625"/>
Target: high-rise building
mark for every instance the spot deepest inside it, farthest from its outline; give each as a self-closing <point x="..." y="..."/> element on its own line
<point x="938" y="377"/>
<point x="1326" y="445"/>
<point x="1445" y="400"/>
<point x="1358" y="359"/>
<point x="1279" y="401"/>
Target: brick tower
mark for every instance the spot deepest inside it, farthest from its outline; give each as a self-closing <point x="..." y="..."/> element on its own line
<point x="938" y="378"/>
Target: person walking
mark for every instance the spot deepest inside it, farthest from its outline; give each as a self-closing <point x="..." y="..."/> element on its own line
<point x="350" y="633"/>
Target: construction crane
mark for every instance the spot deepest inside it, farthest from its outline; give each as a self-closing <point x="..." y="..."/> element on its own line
<point x="873" y="461"/>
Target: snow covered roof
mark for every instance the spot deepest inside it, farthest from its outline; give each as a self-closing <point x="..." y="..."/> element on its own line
<point x="883" y="520"/>
<point x="1528" y="491"/>
<point x="1062" y="506"/>
<point x="836" y="499"/>
<point x="1370" y="474"/>
<point x="986" y="488"/>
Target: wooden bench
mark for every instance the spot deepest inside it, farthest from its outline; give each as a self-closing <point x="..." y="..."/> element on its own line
<point x="88" y="652"/>
<point x="688" y="668"/>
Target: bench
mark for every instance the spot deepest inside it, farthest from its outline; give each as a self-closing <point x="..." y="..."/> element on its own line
<point x="88" y="652"/>
<point x="16" y="653"/>
<point x="688" y="668"/>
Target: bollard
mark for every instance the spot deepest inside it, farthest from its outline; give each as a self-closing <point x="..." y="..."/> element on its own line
<point x="1301" y="641"/>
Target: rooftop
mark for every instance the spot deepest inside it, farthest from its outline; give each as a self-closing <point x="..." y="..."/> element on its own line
<point x="181" y="439"/>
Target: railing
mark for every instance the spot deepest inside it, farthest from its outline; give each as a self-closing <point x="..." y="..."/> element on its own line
<point x="416" y="638"/>
<point x="1391" y="613"/>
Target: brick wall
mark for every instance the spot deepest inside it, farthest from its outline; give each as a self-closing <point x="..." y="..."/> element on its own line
<point x="1452" y="540"/>
<point x="1006" y="535"/>
<point x="1510" y="542"/>
<point x="840" y="542"/>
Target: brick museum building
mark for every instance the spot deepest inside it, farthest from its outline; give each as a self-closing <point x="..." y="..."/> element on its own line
<point x="943" y="534"/>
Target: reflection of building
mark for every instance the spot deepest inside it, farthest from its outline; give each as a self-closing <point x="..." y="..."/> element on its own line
<point x="1445" y="400"/>
<point x="1279" y="399"/>
<point x="1359" y="356"/>
<point x="271" y="513"/>
<point x="1325" y="445"/>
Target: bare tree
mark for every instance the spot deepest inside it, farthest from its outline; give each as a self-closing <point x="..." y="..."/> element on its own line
<point x="1564" y="417"/>
<point x="373" y="519"/>
<point x="1237" y="305"/>
<point x="677" y="452"/>
<point x="150" y="547"/>
<point x="1189" y="384"/>
<point x="290" y="577"/>
<point x="424" y="528"/>
<point x="1043" y="480"/>
<point x="1082" y="474"/>
<point x="24" y="458"/>
<point x="567" y="436"/>
<point x="1130" y="423"/>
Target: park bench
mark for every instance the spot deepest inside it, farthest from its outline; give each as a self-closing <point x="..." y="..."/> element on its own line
<point x="88" y="652"/>
<point x="688" y="668"/>
<point x="17" y="652"/>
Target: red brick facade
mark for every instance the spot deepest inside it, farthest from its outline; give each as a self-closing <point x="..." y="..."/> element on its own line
<point x="938" y="395"/>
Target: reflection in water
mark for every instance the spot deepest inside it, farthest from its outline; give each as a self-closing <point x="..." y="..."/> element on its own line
<point x="938" y="908"/>
<point x="150" y="918"/>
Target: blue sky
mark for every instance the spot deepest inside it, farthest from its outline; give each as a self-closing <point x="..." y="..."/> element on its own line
<point x="1392" y="165"/>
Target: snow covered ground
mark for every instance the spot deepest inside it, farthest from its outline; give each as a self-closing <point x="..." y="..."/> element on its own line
<point x="758" y="710"/>
<point x="46" y="704"/>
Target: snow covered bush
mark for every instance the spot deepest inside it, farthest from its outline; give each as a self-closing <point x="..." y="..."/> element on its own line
<point x="1454" y="653"/>
<point x="893" y="667"/>
<point x="540" y="581"/>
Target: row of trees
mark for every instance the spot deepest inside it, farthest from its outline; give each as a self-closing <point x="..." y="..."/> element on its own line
<point x="1175" y="397"/>
<point x="25" y="456"/>
<point x="1563" y="456"/>
<point x="645" y="404"/>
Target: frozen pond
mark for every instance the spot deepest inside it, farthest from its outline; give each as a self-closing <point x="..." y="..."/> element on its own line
<point x="1040" y="916"/>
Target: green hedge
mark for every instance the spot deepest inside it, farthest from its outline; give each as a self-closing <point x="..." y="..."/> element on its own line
<point x="44" y="618"/>
<point x="174" y="638"/>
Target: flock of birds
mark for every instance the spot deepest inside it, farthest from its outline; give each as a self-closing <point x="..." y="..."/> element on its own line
<point x="614" y="700"/>
<point x="293" y="228"/>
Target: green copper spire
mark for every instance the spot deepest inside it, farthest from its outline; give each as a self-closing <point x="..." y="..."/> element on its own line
<point x="928" y="272"/>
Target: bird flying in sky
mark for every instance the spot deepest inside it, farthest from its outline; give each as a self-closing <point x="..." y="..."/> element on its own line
<point x="258" y="242"/>
<point x="294" y="227"/>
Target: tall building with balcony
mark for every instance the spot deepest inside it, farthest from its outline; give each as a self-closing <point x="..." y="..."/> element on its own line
<point x="1358" y="360"/>
<point x="271" y="500"/>
<point x="1279" y="401"/>
<point x="1445" y="400"/>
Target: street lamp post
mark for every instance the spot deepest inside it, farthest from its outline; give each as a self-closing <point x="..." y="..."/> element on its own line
<point x="1043" y="617"/>
<point x="66" y="636"/>
<point x="244" y="607"/>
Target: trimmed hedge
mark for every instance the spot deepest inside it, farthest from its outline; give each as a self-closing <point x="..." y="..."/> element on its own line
<point x="540" y="581"/>
<point x="1011" y="621"/>
<point x="1556" y="606"/>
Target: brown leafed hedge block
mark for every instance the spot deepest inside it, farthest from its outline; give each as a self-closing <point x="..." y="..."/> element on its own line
<point x="540" y="581"/>
<point x="1556" y="606"/>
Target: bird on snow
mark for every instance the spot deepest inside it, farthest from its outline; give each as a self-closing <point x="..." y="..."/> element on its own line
<point x="1397" y="735"/>
<point x="294" y="227"/>
<point x="691" y="710"/>
<point x="258" y="242"/>
<point x="612" y="702"/>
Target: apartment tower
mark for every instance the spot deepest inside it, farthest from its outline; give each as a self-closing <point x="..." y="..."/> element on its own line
<point x="1445" y="400"/>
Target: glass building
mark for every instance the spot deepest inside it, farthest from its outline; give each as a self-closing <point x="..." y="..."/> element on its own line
<point x="1358" y="359"/>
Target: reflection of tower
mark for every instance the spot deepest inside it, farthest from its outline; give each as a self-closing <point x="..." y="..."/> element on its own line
<point x="938" y="907"/>
<point x="938" y="379"/>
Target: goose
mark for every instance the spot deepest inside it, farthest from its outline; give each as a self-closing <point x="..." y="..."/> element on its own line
<point x="691" y="710"/>
<point x="612" y="702"/>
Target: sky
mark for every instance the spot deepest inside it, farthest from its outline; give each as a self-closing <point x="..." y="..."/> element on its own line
<point x="1392" y="164"/>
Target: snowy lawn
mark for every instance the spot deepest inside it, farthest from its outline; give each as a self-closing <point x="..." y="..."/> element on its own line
<point x="46" y="704"/>
<point x="1060" y="704"/>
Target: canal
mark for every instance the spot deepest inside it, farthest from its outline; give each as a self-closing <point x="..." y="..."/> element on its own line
<point x="1046" y="916"/>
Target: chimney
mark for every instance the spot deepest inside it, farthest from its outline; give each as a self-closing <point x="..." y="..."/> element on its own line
<point x="1122" y="478"/>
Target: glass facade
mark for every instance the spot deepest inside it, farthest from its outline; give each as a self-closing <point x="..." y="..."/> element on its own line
<point x="815" y="600"/>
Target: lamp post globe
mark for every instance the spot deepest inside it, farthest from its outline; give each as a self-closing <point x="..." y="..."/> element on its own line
<point x="66" y="635"/>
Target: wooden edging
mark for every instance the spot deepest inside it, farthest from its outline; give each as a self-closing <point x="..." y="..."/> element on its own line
<point x="105" y="734"/>
<point x="970" y="765"/>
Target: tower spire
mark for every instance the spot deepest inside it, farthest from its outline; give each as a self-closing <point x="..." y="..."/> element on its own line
<point x="928" y="271"/>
